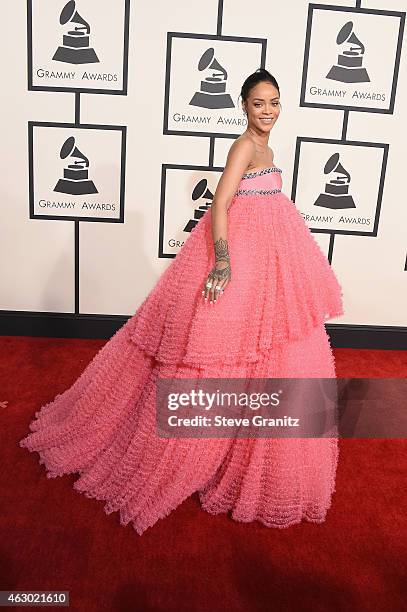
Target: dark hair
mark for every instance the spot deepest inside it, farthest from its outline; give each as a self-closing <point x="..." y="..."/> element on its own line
<point x="261" y="74"/>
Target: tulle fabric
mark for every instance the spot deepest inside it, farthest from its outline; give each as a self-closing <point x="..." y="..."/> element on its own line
<point x="282" y="286"/>
<point x="268" y="323"/>
<point x="104" y="428"/>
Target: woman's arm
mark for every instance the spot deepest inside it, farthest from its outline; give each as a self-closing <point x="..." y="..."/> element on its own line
<point x="240" y="154"/>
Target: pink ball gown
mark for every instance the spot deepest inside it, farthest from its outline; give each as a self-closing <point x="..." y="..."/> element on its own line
<point x="268" y="323"/>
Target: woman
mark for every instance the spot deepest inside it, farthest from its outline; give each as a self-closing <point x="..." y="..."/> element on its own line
<point x="201" y="321"/>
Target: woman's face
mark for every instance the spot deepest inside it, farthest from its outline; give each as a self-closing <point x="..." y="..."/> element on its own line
<point x="262" y="106"/>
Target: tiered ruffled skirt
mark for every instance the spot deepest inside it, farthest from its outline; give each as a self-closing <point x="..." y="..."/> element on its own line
<point x="268" y="323"/>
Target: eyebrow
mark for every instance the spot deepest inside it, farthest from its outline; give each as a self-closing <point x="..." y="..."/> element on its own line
<point x="262" y="99"/>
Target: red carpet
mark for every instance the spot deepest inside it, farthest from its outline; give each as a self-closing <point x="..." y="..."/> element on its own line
<point x="53" y="538"/>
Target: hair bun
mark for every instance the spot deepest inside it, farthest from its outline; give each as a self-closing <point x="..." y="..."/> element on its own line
<point x="261" y="74"/>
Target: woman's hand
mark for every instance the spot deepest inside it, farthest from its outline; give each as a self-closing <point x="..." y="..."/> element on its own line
<point x="218" y="278"/>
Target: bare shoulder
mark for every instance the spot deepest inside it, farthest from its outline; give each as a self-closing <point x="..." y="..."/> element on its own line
<point x="241" y="153"/>
<point x="238" y="158"/>
<point x="243" y="145"/>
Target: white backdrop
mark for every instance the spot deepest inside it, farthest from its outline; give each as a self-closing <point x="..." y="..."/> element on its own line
<point x="119" y="262"/>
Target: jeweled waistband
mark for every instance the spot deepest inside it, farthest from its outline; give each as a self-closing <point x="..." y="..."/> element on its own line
<point x="257" y="191"/>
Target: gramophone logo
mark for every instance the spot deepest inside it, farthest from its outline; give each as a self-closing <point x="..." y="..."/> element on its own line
<point x="75" y="47"/>
<point x="180" y="215"/>
<point x="200" y="192"/>
<point x="75" y="180"/>
<point x="336" y="195"/>
<point x="212" y="93"/>
<point x="214" y="64"/>
<point x="348" y="68"/>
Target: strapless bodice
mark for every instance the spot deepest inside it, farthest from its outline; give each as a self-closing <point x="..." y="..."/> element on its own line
<point x="262" y="182"/>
